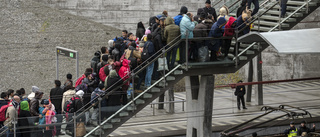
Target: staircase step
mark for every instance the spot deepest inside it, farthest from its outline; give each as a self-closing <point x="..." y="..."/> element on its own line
<point x="147" y="95"/>
<point x="276" y="18"/>
<point x="231" y="56"/>
<point x="254" y="47"/>
<point x="107" y="126"/>
<point x="124" y="114"/>
<point x="248" y="52"/>
<point x="131" y="108"/>
<point x="300" y="3"/>
<point x="161" y="84"/>
<point x="140" y="101"/>
<point x="170" y="78"/>
<point x="269" y="23"/>
<point x="154" y="89"/>
<point x="178" y="72"/>
<point x="290" y="8"/>
<point x="95" y="133"/>
<point x="276" y="12"/>
<point x="263" y="29"/>
<point x="115" y="120"/>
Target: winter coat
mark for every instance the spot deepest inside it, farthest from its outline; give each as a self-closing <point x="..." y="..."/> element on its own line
<point x="113" y="81"/>
<point x="177" y="19"/>
<point x="240" y="91"/>
<point x="140" y="32"/>
<point x="210" y="11"/>
<point x="4" y="102"/>
<point x="151" y="49"/>
<point x="34" y="105"/>
<point x="136" y="53"/>
<point x="23" y="117"/>
<point x="10" y="114"/>
<point x="157" y="39"/>
<point x="56" y="97"/>
<point x="197" y="17"/>
<point x="125" y="70"/>
<point x="171" y="31"/>
<point x="216" y="31"/>
<point x="241" y="24"/>
<point x="78" y="104"/>
<point x="66" y="96"/>
<point x="102" y="74"/>
<point x="185" y="25"/>
<point x="31" y="95"/>
<point x="228" y="29"/>
<point x="202" y="29"/>
<point x="305" y="129"/>
<point x="79" y="80"/>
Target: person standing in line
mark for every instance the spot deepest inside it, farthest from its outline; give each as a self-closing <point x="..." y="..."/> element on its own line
<point x="240" y="92"/>
<point x="292" y="131"/>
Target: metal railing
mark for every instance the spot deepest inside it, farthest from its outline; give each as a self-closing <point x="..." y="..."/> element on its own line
<point x="167" y="102"/>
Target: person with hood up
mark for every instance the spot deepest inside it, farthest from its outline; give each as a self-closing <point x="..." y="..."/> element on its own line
<point x="228" y="31"/>
<point x="177" y="19"/>
<point x="124" y="73"/>
<point x="210" y="10"/>
<point x="171" y="32"/>
<point x="216" y="32"/>
<point x="32" y="94"/>
<point x="186" y="25"/>
<point x="304" y="129"/>
<point x="202" y="30"/>
<point x="23" y="118"/>
<point x="140" y="30"/>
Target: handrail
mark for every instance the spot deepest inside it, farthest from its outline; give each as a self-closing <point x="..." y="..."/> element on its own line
<point x="132" y="101"/>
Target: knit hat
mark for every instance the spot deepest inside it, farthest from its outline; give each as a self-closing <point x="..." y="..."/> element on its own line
<point x="35" y="89"/>
<point x="69" y="76"/>
<point x="208" y="2"/>
<point x="110" y="43"/>
<point x="24" y="105"/>
<point x="80" y="93"/>
<point x="147" y="32"/>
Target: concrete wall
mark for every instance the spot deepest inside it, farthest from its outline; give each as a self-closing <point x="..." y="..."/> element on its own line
<point x="29" y="33"/>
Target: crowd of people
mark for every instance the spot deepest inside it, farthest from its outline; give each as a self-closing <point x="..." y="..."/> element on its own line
<point x="112" y="64"/>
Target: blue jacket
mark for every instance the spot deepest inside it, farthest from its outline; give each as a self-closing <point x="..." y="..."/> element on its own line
<point x="185" y="25"/>
<point x="177" y="19"/>
<point x="241" y="24"/>
<point x="216" y="32"/>
<point x="150" y="45"/>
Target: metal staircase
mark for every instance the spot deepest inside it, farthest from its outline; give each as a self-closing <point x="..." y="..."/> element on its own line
<point x="268" y="21"/>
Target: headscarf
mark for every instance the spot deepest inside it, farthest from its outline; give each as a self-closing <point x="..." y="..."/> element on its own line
<point x="15" y="104"/>
<point x="24" y="105"/>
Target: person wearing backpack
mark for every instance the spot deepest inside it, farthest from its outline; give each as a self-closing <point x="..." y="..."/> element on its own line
<point x="70" y="92"/>
<point x="171" y="32"/>
<point x="11" y="113"/>
<point x="149" y="46"/>
<point x="75" y="106"/>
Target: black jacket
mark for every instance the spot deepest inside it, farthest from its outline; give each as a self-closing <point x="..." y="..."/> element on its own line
<point x="240" y="91"/>
<point x="140" y="33"/>
<point x="287" y="131"/>
<point x="157" y="39"/>
<point x="114" y="99"/>
<point x="56" y="98"/>
<point x="24" y="122"/>
<point x="211" y="11"/>
<point x="305" y="129"/>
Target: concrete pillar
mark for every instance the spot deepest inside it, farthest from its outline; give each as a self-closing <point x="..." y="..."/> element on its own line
<point x="161" y="99"/>
<point x="169" y="96"/>
<point x="250" y="78"/>
<point x="199" y="105"/>
<point x="259" y="91"/>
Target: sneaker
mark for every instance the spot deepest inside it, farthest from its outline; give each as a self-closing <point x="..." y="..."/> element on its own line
<point x="244" y="108"/>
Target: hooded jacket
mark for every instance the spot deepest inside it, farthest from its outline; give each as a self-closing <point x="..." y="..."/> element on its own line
<point x="136" y="53"/>
<point x="210" y="11"/>
<point x="202" y="29"/>
<point x="24" y="113"/>
<point x="79" y="81"/>
<point x="102" y="74"/>
<point x="185" y="25"/>
<point x="34" y="104"/>
<point x="171" y="31"/>
<point x="113" y="80"/>
<point x="177" y="19"/>
<point x="242" y="24"/>
<point x="10" y="114"/>
<point x="216" y="31"/>
<point x="125" y="70"/>
<point x="228" y="29"/>
<point x="140" y="30"/>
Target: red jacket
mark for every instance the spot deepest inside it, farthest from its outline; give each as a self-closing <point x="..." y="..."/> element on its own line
<point x="124" y="71"/>
<point x="103" y="75"/>
<point x="228" y="30"/>
<point x="79" y="81"/>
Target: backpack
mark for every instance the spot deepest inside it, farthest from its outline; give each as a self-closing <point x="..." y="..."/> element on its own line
<point x="133" y="61"/>
<point x="3" y="111"/>
<point x="70" y="104"/>
<point x="145" y="52"/>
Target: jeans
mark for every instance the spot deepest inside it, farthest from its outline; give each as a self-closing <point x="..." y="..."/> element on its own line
<point x="256" y="6"/>
<point x="173" y="51"/>
<point x="149" y="75"/>
<point x="283" y="7"/>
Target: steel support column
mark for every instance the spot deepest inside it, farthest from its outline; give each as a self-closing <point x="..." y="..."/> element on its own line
<point x="250" y="78"/>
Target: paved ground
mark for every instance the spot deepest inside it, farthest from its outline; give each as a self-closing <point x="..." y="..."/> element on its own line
<point x="305" y="95"/>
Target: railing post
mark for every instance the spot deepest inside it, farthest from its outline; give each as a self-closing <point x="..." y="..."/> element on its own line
<point x="236" y="48"/>
<point x="100" y="99"/>
<point x="187" y="58"/>
<point x="132" y="94"/>
<point x="14" y="127"/>
<point x="280" y="14"/>
<point x="74" y="124"/>
<point x="164" y="65"/>
<point x="183" y="105"/>
<point x="307" y="6"/>
<point x="258" y="22"/>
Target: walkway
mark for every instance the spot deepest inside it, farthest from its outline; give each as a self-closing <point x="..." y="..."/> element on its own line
<point x="305" y="95"/>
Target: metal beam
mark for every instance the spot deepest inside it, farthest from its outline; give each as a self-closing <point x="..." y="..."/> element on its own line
<point x="250" y="78"/>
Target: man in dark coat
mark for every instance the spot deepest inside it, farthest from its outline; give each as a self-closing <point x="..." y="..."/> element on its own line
<point x="240" y="92"/>
<point x="210" y="10"/>
<point x="304" y="128"/>
<point x="201" y="30"/>
<point x="56" y="99"/>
